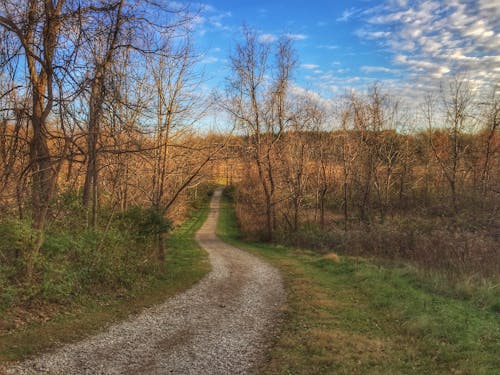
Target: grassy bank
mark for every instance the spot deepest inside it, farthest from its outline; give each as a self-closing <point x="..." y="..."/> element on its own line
<point x="351" y="316"/>
<point x="185" y="264"/>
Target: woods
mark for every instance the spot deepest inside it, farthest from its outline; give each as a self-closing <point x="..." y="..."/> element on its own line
<point x="100" y="157"/>
<point x="366" y="175"/>
<point x="105" y="147"/>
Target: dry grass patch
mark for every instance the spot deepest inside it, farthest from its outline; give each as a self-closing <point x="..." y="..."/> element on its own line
<point x="339" y="345"/>
<point x="332" y="257"/>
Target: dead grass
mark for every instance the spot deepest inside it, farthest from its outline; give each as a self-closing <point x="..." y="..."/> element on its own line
<point x="332" y="257"/>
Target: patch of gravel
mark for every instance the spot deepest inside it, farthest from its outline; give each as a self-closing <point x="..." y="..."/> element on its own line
<point x="223" y="325"/>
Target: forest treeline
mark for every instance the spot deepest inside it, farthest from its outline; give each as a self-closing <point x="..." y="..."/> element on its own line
<point x="369" y="177"/>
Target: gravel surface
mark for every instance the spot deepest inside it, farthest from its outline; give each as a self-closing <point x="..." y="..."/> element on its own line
<point x="223" y="325"/>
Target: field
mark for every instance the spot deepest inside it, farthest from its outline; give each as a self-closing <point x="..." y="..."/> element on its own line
<point x="348" y="315"/>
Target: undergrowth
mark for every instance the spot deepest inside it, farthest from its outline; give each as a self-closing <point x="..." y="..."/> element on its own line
<point x="353" y="315"/>
<point x="86" y="279"/>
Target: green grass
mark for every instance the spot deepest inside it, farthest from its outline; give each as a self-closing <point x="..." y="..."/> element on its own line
<point x="186" y="263"/>
<point x="358" y="317"/>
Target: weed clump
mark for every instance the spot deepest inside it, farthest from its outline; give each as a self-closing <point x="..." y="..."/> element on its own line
<point x="333" y="257"/>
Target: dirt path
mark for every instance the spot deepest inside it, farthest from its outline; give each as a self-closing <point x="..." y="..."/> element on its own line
<point x="220" y="326"/>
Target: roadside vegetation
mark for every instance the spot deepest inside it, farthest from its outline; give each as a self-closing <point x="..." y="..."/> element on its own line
<point x="99" y="161"/>
<point x="351" y="315"/>
<point x="82" y="290"/>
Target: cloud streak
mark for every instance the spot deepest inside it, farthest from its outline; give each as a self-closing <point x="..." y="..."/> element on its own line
<point x="267" y="38"/>
<point x="296" y="36"/>
<point x="377" y="69"/>
<point x="347" y="14"/>
<point x="309" y="66"/>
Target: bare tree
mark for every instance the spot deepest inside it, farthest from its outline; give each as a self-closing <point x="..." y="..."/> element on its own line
<point x="298" y="154"/>
<point x="103" y="48"/>
<point x="491" y="116"/>
<point x="456" y="105"/>
<point x="175" y="85"/>
<point x="257" y="101"/>
<point x="36" y="26"/>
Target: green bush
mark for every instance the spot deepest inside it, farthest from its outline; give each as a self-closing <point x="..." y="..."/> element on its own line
<point x="15" y="238"/>
<point x="58" y="281"/>
<point x="144" y="222"/>
<point x="75" y="260"/>
<point x="311" y="236"/>
<point x="9" y="290"/>
<point x="56" y="244"/>
<point x="117" y="256"/>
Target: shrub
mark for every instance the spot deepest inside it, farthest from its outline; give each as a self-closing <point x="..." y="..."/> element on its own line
<point x="230" y="192"/>
<point x="333" y="257"/>
<point x="454" y="252"/>
<point x="434" y="244"/>
<point x="312" y="236"/>
<point x="15" y="238"/>
<point x="9" y="291"/>
<point x="144" y="222"/>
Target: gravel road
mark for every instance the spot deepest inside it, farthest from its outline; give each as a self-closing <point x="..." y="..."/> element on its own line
<point x="223" y="325"/>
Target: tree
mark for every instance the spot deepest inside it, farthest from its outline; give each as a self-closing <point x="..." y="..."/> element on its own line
<point x="257" y="100"/>
<point x="449" y="150"/>
<point x="491" y="120"/>
<point x="69" y="49"/>
<point x="298" y="154"/>
<point x="175" y="85"/>
<point x="37" y="28"/>
<point x="103" y="46"/>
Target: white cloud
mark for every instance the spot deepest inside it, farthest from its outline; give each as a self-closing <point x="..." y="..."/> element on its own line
<point x="210" y="60"/>
<point x="328" y="46"/>
<point x="377" y="69"/>
<point x="296" y="36"/>
<point x="433" y="39"/>
<point x="363" y="33"/>
<point x="267" y="38"/>
<point x="401" y="3"/>
<point x="309" y="66"/>
<point x="334" y="89"/>
<point x="327" y="104"/>
<point x="197" y="20"/>
<point x="347" y="14"/>
<point x="206" y="7"/>
<point x="205" y="17"/>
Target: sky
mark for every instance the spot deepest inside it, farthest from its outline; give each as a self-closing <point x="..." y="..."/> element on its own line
<point x="406" y="46"/>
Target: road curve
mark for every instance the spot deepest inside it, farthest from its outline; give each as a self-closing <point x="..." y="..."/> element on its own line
<point x="222" y="325"/>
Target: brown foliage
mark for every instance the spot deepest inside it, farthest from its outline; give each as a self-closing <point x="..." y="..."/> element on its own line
<point x="431" y="196"/>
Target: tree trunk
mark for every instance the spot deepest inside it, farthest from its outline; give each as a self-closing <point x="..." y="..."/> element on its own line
<point x="90" y="187"/>
<point x="43" y="180"/>
<point x="269" y="219"/>
<point x="322" y="203"/>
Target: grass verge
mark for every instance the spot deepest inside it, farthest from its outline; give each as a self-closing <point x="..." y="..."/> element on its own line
<point x="186" y="262"/>
<point x="351" y="316"/>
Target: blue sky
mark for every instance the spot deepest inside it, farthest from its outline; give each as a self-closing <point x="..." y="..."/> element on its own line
<point x="406" y="45"/>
